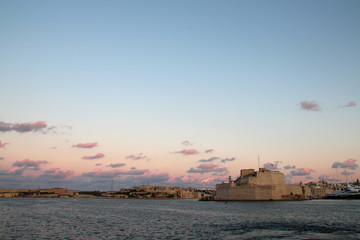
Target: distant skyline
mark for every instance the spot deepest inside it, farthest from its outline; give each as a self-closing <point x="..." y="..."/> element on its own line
<point x="177" y="93"/>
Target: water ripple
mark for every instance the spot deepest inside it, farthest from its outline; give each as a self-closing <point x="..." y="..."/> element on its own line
<point x="177" y="219"/>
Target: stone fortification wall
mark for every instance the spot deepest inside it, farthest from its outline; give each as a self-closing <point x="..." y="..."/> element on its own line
<point x="244" y="172"/>
<point x="261" y="192"/>
<point x="262" y="177"/>
<point x="287" y="191"/>
<point x="270" y="178"/>
<point x="244" y="193"/>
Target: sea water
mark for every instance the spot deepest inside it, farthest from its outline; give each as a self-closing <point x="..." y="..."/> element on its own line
<point x="45" y="218"/>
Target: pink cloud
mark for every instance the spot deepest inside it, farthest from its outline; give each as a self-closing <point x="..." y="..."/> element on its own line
<point x="15" y="171"/>
<point x="5" y="127"/>
<point x="189" y="178"/>
<point x="228" y="160"/>
<point x="86" y="145"/>
<point x="186" y="143"/>
<point x="2" y="145"/>
<point x="20" y="166"/>
<point x="207" y="168"/>
<point x="136" y="156"/>
<point x="310" y="106"/>
<point x="113" y="173"/>
<point x="350" y="104"/>
<point x="188" y="152"/>
<point x="29" y="164"/>
<point x="28" y="127"/>
<point x="301" y="172"/>
<point x="212" y="159"/>
<point x="116" y="165"/>
<point x="97" y="156"/>
<point x="350" y="163"/>
<point x="209" y="150"/>
<point x="288" y="167"/>
<point x="161" y="177"/>
<point x="56" y="173"/>
<point x="208" y="180"/>
<point x="196" y="181"/>
<point x="24" y="127"/>
<point x="212" y="181"/>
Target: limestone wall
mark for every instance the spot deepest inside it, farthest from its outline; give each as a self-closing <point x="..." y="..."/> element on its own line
<point x="270" y="178"/>
<point x="263" y="192"/>
<point x="262" y="177"/>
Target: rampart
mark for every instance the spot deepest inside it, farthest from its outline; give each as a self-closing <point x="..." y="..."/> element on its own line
<point x="261" y="185"/>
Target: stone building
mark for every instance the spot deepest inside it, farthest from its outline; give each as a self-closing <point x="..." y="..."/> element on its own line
<point x="261" y="185"/>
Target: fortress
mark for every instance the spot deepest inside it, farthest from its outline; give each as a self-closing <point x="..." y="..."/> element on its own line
<point x="261" y="185"/>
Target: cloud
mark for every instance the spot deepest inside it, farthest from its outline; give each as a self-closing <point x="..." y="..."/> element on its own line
<point x="97" y="156"/>
<point x="310" y="106"/>
<point x="86" y="145"/>
<point x="187" y="152"/>
<point x="1" y="158"/>
<point x="187" y="179"/>
<point x="207" y="168"/>
<point x="2" y="145"/>
<point x="56" y="174"/>
<point x="5" y="127"/>
<point x="221" y="174"/>
<point x="151" y="178"/>
<point x="29" y="164"/>
<point x="98" y="164"/>
<point x="228" y="160"/>
<point x="288" y="167"/>
<point x="20" y="166"/>
<point x="139" y="156"/>
<point x="113" y="173"/>
<point x="272" y="166"/>
<point x="14" y="171"/>
<point x="350" y="163"/>
<point x="212" y="159"/>
<point x="196" y="181"/>
<point x="301" y="172"/>
<point x="209" y="150"/>
<point x="186" y="143"/>
<point x="101" y="180"/>
<point x="346" y="173"/>
<point x="116" y="165"/>
<point x="54" y="177"/>
<point x="67" y="127"/>
<point x="327" y="178"/>
<point x="349" y="104"/>
<point x="25" y="127"/>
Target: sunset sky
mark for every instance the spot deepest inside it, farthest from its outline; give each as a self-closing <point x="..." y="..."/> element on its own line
<point x="179" y="93"/>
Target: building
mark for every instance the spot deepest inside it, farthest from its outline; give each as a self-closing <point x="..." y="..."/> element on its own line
<point x="261" y="185"/>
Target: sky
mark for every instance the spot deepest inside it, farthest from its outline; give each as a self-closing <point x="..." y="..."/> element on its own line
<point x="177" y="93"/>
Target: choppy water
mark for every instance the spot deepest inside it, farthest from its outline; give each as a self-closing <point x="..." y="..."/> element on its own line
<point x="23" y="218"/>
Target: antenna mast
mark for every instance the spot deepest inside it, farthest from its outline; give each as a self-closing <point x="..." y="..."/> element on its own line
<point x="259" y="161"/>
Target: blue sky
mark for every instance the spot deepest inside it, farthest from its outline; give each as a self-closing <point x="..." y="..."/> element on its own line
<point x="142" y="77"/>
